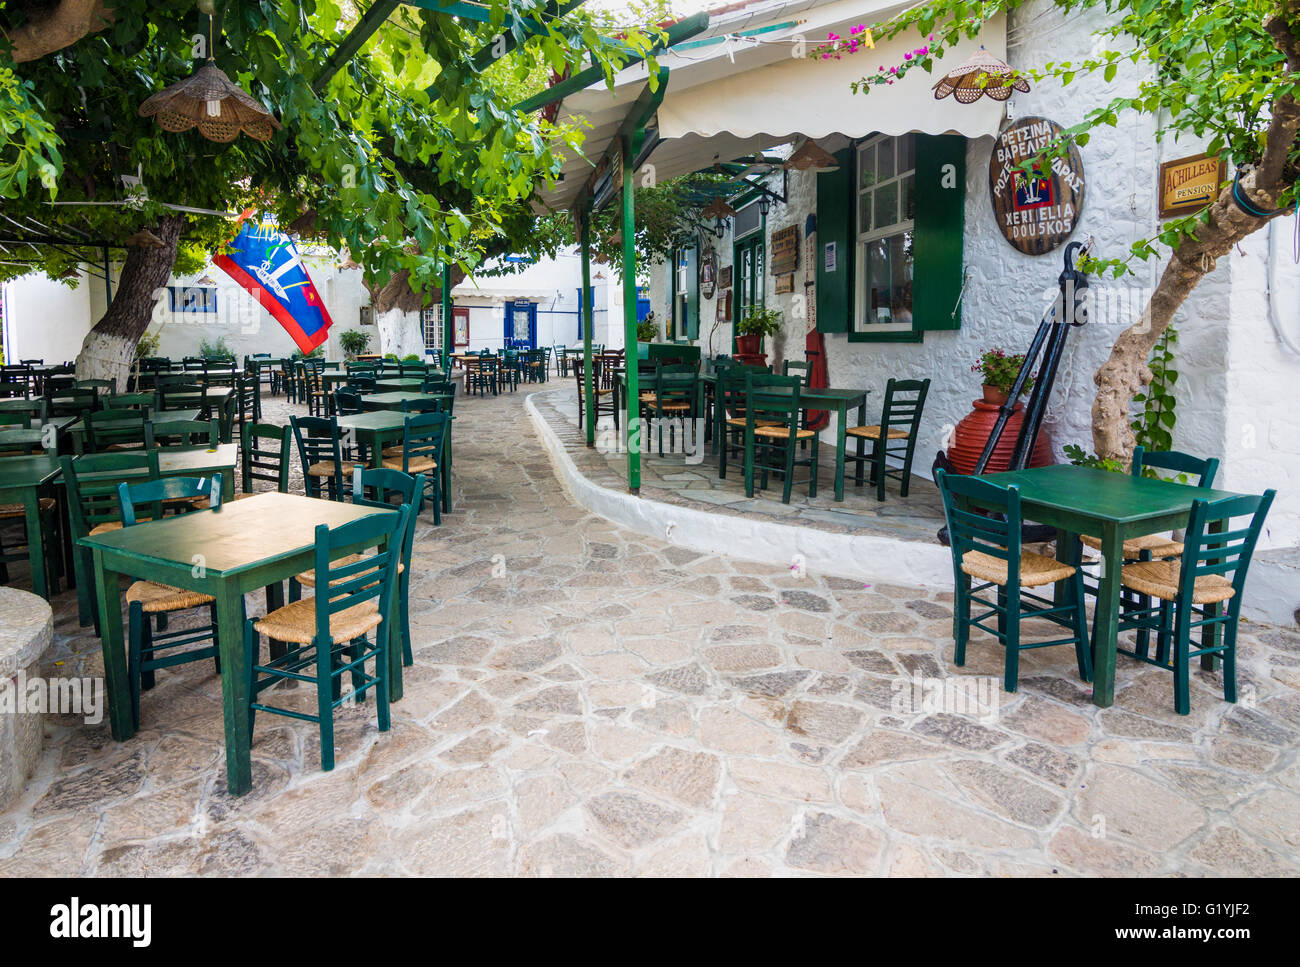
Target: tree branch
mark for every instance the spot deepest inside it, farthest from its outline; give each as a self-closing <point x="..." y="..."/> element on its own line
<point x="62" y="27"/>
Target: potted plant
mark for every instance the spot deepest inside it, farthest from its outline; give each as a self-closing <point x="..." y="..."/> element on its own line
<point x="998" y="372"/>
<point x="647" y="330"/>
<point x="757" y="323"/>
<point x="353" y="342"/>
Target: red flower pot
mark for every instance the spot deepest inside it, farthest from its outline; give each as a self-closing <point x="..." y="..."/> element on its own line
<point x="973" y="432"/>
<point x="748" y="345"/>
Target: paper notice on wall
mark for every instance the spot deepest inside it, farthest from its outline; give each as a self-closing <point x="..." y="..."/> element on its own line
<point x="829" y="254"/>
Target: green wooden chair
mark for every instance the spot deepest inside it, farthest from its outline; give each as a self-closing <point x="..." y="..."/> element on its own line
<point x="729" y="414"/>
<point x="424" y="436"/>
<point x="264" y="456"/>
<point x="1153" y="547"/>
<point x="512" y="366"/>
<point x="604" y="396"/>
<point x="149" y="650"/>
<point x="18" y="550"/>
<point x="320" y="449"/>
<point x="91" y="483"/>
<point x="672" y="400"/>
<point x="360" y="382"/>
<point x="183" y="433"/>
<point x="1201" y="589"/>
<point x="73" y="401"/>
<point x="347" y="402"/>
<point x="115" y="430"/>
<point x="984" y="530"/>
<point x="483" y="376"/>
<point x="894" y="436"/>
<point x="335" y="634"/>
<point x="772" y="433"/>
<point x="144" y="402"/>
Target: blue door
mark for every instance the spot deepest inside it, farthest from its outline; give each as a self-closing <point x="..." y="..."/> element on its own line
<point x="521" y="325"/>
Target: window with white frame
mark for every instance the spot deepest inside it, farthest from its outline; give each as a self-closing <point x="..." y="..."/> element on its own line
<point x="886" y="208"/>
<point x="432" y="320"/>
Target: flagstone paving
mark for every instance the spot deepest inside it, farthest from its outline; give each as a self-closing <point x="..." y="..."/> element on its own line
<point x="586" y="701"/>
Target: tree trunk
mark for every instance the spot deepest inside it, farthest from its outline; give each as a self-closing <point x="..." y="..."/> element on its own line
<point x="397" y="306"/>
<point x="68" y="22"/>
<point x="1125" y="372"/>
<point x="109" y="348"/>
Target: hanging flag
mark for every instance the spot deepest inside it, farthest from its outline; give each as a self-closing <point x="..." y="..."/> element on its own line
<point x="265" y="261"/>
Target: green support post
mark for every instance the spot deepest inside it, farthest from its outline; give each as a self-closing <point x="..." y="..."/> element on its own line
<point x="629" y="322"/>
<point x="448" y="325"/>
<point x="588" y="316"/>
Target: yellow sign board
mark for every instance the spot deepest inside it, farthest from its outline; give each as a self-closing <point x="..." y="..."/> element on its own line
<point x="1189" y="184"/>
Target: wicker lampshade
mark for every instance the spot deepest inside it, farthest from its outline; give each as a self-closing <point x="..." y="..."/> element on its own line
<point x="210" y="101"/>
<point x="980" y="74"/>
<point x="812" y="157"/>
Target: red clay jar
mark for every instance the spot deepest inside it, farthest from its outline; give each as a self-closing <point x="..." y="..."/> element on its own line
<point x="973" y="432"/>
<point x="748" y="345"/>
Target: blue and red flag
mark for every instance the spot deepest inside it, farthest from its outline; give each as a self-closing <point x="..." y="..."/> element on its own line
<point x="265" y="261"/>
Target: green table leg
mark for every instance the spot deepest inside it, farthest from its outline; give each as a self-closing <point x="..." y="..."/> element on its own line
<point x="1106" y="617"/>
<point x="1210" y="634"/>
<point x="234" y="687"/>
<point x="445" y="470"/>
<point x="35" y="542"/>
<point x="116" y="687"/>
<point x="841" y="418"/>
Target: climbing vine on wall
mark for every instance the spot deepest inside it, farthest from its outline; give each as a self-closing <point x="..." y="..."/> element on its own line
<point x="1154" y="426"/>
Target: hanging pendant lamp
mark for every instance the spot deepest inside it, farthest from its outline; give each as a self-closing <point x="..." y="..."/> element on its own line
<point x="978" y="75"/>
<point x="213" y="103"/>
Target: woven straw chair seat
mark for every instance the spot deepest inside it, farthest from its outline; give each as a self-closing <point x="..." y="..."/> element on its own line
<point x="198" y="503"/>
<point x="157" y="598"/>
<point x="675" y="407"/>
<point x="872" y="432"/>
<point x="417" y="465"/>
<point x="1160" y="545"/>
<point x="396" y="451"/>
<point x="779" y="432"/>
<point x="323" y="469"/>
<point x="739" y="421"/>
<point x="1159" y="579"/>
<point x="1035" y="569"/>
<point x="16" y="510"/>
<point x="296" y="622"/>
<point x="648" y="397"/>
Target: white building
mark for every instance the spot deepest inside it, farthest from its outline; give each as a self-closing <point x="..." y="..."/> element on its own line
<point x="745" y="87"/>
<point x="47" y="319"/>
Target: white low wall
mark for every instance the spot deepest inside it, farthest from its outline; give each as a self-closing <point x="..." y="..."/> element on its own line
<point x="869" y="559"/>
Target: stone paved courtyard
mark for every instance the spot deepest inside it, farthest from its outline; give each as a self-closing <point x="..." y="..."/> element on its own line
<point x="586" y="701"/>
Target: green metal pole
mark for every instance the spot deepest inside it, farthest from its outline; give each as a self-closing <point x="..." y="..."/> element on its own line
<point x="633" y="412"/>
<point x="588" y="315"/>
<point x="447" y="322"/>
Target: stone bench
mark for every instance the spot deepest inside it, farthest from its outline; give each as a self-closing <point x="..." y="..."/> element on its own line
<point x="26" y="629"/>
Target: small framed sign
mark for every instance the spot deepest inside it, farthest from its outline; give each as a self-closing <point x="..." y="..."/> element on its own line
<point x="724" y="306"/>
<point x="708" y="274"/>
<point x="828" y="254"/>
<point x="785" y="283"/>
<point x="1189" y="184"/>
<point x="724" y="277"/>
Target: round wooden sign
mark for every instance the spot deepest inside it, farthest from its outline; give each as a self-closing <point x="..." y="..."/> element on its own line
<point x="1035" y="214"/>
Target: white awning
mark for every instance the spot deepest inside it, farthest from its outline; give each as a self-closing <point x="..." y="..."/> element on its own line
<point x="730" y="96"/>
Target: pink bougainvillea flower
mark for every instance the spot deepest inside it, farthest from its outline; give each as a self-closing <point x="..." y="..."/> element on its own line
<point x="832" y="36"/>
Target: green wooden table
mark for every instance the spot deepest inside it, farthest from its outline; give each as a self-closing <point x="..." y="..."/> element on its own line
<point x="45" y="435"/>
<point x="30" y="406"/>
<point x="1114" y="507"/>
<point x="223" y="375"/>
<point x="394" y="400"/>
<point x="838" y="401"/>
<point x="22" y="479"/>
<point x="380" y="428"/>
<point x="399" y="384"/>
<point x="242" y="547"/>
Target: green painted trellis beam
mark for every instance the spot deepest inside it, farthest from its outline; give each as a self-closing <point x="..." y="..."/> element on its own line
<point x="588" y="317"/>
<point x="370" y="21"/>
<point x="528" y="26"/>
<point x="629" y="316"/>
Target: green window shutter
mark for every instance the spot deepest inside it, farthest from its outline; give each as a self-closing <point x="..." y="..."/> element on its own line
<point x="692" y="328"/>
<point x="835" y="208"/>
<point x="940" y="231"/>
